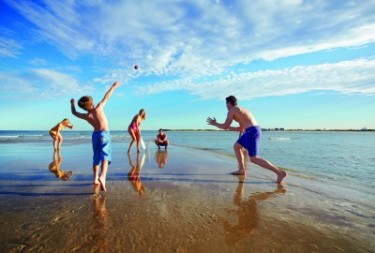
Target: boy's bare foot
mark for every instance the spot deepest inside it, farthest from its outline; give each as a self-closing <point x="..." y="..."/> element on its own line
<point x="96" y="189"/>
<point x="96" y="181"/>
<point x="102" y="185"/>
<point x="281" y="176"/>
<point x="238" y="173"/>
<point x="241" y="178"/>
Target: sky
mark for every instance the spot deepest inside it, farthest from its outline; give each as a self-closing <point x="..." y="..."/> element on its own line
<point x="296" y="64"/>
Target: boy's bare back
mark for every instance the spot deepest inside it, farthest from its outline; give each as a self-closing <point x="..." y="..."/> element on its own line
<point x="95" y="116"/>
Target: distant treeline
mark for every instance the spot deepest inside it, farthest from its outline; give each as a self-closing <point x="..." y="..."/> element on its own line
<point x="277" y="129"/>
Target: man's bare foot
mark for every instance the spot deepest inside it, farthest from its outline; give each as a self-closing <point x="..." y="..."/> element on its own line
<point x="238" y="173"/>
<point x="281" y="176"/>
<point x="96" y="181"/>
<point x="280" y="189"/>
<point x="102" y="184"/>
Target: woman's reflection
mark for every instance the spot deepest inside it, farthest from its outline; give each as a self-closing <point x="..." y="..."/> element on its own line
<point x="134" y="174"/>
<point x="247" y="213"/>
<point x="54" y="167"/>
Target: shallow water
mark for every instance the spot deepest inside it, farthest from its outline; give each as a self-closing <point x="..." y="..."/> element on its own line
<point x="184" y="200"/>
<point x="344" y="157"/>
<point x="181" y="200"/>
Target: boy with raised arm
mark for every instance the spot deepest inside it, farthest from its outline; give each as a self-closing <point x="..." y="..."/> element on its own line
<point x="101" y="138"/>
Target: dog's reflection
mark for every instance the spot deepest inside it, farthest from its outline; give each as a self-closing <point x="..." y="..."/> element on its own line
<point x="54" y="167"/>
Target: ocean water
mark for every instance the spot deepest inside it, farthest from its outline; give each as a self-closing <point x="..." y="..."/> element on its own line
<point x="345" y="158"/>
<point x="327" y="204"/>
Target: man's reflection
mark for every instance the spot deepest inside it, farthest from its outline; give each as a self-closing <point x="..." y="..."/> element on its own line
<point x="134" y="174"/>
<point x="54" y="167"/>
<point x="247" y="212"/>
<point x="161" y="158"/>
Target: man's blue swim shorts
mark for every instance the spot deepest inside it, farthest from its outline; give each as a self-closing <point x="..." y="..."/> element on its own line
<point x="250" y="140"/>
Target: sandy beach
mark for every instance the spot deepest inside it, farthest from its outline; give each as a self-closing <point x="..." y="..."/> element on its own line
<point x="180" y="200"/>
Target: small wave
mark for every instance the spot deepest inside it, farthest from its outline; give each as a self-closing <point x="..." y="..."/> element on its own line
<point x="9" y="136"/>
<point x="31" y="135"/>
<point x="20" y="136"/>
<point x="209" y="149"/>
<point x="279" y="139"/>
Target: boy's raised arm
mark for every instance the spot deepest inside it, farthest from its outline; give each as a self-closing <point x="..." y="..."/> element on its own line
<point x="109" y="93"/>
<point x="74" y="111"/>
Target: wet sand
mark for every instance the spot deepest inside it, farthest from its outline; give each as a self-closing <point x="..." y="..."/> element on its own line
<point x="182" y="200"/>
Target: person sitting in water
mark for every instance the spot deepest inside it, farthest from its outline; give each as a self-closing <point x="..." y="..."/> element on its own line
<point x="161" y="139"/>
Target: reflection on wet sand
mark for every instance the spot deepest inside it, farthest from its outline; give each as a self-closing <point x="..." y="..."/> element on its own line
<point x="247" y="213"/>
<point x="98" y="230"/>
<point x="161" y="158"/>
<point x="134" y="174"/>
<point x="54" y="167"/>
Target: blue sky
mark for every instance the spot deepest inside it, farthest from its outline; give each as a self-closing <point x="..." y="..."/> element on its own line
<point x="293" y="64"/>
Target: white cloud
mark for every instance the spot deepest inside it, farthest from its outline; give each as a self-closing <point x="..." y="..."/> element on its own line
<point x="38" y="62"/>
<point x="200" y="41"/>
<point x="347" y="77"/>
<point x="57" y="83"/>
<point x="9" y="47"/>
<point x="14" y="85"/>
<point x="39" y="83"/>
<point x="233" y="32"/>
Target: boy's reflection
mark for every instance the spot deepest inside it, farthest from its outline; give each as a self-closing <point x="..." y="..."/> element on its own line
<point x="54" y="167"/>
<point x="161" y="158"/>
<point x="134" y="174"/>
<point x="248" y="214"/>
<point x="100" y="223"/>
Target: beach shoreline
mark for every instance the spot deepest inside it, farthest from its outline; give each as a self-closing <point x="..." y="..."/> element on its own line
<point x="190" y="204"/>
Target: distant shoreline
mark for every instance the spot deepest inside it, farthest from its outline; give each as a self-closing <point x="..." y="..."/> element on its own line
<point x="274" y="130"/>
<point x="220" y="130"/>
